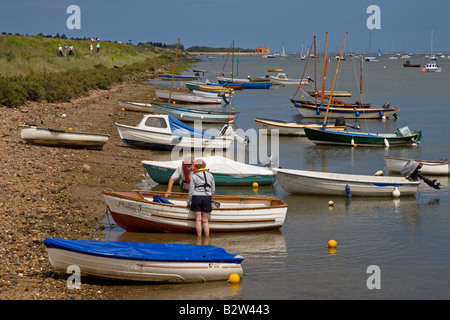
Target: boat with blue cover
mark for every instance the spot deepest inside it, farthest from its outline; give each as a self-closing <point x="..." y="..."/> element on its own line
<point x="165" y="132"/>
<point x="150" y="262"/>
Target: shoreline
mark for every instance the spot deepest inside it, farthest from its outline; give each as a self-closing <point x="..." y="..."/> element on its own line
<point x="55" y="192"/>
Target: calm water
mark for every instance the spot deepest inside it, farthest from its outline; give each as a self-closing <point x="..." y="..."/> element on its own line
<point x="406" y="238"/>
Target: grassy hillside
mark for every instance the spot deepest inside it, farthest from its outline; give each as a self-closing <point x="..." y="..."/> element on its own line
<point x="32" y="70"/>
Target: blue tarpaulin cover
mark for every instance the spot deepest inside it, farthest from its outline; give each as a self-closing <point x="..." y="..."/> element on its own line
<point x="146" y="251"/>
<point x="182" y="129"/>
<point x="159" y="199"/>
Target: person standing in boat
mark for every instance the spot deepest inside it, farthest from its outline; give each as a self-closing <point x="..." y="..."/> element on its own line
<point x="183" y="172"/>
<point x="199" y="200"/>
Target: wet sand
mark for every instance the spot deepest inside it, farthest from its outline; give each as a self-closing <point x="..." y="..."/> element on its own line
<point x="55" y="192"/>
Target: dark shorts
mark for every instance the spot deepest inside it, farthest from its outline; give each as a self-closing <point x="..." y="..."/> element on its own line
<point x="201" y="203"/>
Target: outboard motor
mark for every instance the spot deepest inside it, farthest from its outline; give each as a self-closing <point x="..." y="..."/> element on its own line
<point x="411" y="171"/>
<point x="224" y="97"/>
<point x="339" y="122"/>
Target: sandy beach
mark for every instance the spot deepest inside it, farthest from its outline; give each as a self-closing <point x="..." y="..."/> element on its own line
<point x="55" y="192"/>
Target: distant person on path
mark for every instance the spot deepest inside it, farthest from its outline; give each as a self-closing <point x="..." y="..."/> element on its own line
<point x="71" y="51"/>
<point x="98" y="47"/>
<point x="201" y="190"/>
<point x="91" y="48"/>
<point x="60" y="51"/>
<point x="66" y="50"/>
<point x="183" y="172"/>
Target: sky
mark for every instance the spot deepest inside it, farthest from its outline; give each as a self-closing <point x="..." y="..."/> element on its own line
<point x="403" y="26"/>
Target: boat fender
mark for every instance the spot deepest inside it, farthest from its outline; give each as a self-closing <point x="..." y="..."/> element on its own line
<point x="177" y="138"/>
<point x="347" y="190"/>
<point x="357" y="113"/>
<point x="396" y="193"/>
<point x="318" y="111"/>
<point x="381" y="113"/>
<point x="386" y="143"/>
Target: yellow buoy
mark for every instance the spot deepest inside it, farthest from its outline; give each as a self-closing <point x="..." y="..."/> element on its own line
<point x="234" y="278"/>
<point x="332" y="244"/>
<point x="255" y="185"/>
<point x="70" y="129"/>
<point x="123" y="109"/>
<point x="331" y="203"/>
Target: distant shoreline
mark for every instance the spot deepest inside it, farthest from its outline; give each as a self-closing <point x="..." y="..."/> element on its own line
<point x="225" y="53"/>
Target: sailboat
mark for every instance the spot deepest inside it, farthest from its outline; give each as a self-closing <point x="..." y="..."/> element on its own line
<point x="338" y="108"/>
<point x="432" y="66"/>
<point x="402" y="136"/>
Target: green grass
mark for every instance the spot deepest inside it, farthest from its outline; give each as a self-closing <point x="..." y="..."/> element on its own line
<point x="33" y="71"/>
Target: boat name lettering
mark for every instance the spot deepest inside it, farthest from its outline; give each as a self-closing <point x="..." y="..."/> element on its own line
<point x="130" y="206"/>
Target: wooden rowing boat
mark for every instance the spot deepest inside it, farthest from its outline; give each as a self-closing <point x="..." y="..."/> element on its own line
<point x="141" y="211"/>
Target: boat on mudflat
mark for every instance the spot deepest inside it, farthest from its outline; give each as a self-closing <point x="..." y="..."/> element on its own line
<point x="147" y="211"/>
<point x="187" y="97"/>
<point x="136" y="106"/>
<point x="144" y="262"/>
<point x="178" y="77"/>
<point x="164" y="132"/>
<point x="63" y="138"/>
<point x="225" y="171"/>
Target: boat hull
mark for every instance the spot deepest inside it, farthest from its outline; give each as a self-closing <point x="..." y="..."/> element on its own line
<point x="62" y="138"/>
<point x="429" y="167"/>
<point x="290" y="128"/>
<point x="310" y="111"/>
<point x="136" y="106"/>
<point x="146" y="139"/>
<point x="135" y="211"/>
<point x="191" y="115"/>
<point x="224" y="171"/>
<point x="336" y="184"/>
<point x="347" y="138"/>
<point x="99" y="259"/>
<point x="187" y="97"/>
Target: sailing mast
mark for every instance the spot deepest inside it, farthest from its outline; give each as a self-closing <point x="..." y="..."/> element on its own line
<point x="334" y="81"/>
<point x="232" y="63"/>
<point x="360" y="81"/>
<point x="325" y="64"/>
<point x="315" y="70"/>
<point x="173" y="73"/>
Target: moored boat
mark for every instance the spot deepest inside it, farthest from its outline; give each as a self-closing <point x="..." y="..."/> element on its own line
<point x="340" y="184"/>
<point x="191" y="115"/>
<point x="178" y="77"/>
<point x="225" y="171"/>
<point x="292" y="128"/>
<point x="145" y="262"/>
<point x="187" y="97"/>
<point x="402" y="137"/>
<point x="136" y="106"/>
<point x="164" y="132"/>
<point x="431" y="167"/>
<point x="63" y="138"/>
<point x="285" y="79"/>
<point x="143" y="211"/>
